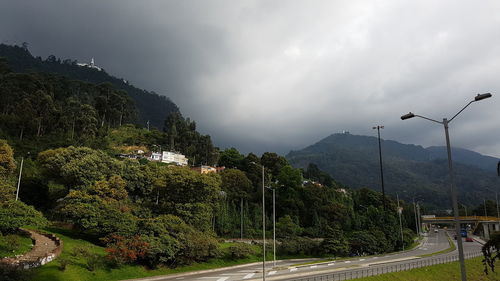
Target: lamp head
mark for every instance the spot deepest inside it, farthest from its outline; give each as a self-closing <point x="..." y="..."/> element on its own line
<point x="482" y="96"/>
<point x="407" y="116"/>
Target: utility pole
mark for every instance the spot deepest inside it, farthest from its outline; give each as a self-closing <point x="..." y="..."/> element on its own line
<point x="485" y="212"/>
<point x="400" y="210"/>
<point x="274" y="227"/>
<point x="381" y="169"/>
<point x="241" y="219"/>
<point x="416" y="219"/>
<point x="19" y="179"/>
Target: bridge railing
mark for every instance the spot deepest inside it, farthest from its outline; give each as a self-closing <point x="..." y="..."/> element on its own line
<point x="386" y="268"/>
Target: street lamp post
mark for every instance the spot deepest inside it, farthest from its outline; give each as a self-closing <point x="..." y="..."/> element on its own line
<point x="263" y="228"/>
<point x="381" y="169"/>
<point x="445" y="123"/>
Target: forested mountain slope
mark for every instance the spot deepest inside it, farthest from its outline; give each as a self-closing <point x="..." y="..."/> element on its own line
<point x="410" y="170"/>
<point x="150" y="106"/>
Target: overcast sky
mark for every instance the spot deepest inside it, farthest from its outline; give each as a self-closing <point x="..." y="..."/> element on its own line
<point x="281" y="75"/>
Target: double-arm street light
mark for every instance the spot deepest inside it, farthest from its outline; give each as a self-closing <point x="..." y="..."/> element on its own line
<point x="445" y="123"/>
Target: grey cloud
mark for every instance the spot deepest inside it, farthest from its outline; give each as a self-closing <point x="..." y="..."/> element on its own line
<point x="279" y="75"/>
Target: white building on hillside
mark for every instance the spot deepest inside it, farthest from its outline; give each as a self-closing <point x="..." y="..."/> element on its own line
<point x="172" y="157"/>
<point x="91" y="65"/>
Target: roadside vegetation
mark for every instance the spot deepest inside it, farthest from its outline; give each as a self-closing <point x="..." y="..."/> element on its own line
<point x="440" y="272"/>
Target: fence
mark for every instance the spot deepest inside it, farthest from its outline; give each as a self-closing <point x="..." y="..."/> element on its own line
<point x="386" y="268"/>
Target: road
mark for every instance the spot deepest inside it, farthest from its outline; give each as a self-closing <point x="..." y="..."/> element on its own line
<point x="285" y="270"/>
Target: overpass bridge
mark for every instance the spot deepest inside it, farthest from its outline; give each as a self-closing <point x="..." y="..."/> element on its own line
<point x="481" y="224"/>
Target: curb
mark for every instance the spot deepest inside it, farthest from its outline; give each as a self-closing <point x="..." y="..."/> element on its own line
<point x="183" y="274"/>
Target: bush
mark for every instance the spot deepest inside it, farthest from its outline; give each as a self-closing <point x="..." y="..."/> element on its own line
<point x="63" y="262"/>
<point x="298" y="246"/>
<point x="125" y="250"/>
<point x="240" y="251"/>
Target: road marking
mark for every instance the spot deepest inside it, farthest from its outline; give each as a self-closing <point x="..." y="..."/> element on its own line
<point x="248" y="271"/>
<point x="272" y="272"/>
<point x="361" y="259"/>
<point x="331" y="263"/>
<point x="314" y="266"/>
<point x="223" y="279"/>
<point x="248" y="276"/>
<point x="347" y="261"/>
<point x="293" y="269"/>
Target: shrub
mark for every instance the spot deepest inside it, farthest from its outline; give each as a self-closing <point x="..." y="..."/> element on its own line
<point x="122" y="250"/>
<point x="240" y="251"/>
<point x="298" y="246"/>
<point x="63" y="262"/>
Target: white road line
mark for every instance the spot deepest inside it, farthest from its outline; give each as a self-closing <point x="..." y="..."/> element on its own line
<point x="347" y="261"/>
<point x="314" y="266"/>
<point x="293" y="269"/>
<point x="248" y="276"/>
<point x="272" y="272"/>
<point x="361" y="259"/>
<point x="331" y="263"/>
<point x="223" y="279"/>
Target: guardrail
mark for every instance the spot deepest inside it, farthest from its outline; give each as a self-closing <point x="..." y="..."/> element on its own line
<point x="381" y="268"/>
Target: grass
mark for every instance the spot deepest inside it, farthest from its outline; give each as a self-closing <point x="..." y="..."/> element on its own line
<point x="14" y="244"/>
<point x="76" y="270"/>
<point x="450" y="249"/>
<point x="440" y="272"/>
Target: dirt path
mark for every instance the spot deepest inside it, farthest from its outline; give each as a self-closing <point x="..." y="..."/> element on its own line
<point x="43" y="251"/>
<point x="43" y="247"/>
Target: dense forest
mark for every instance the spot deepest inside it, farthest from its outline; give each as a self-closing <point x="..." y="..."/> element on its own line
<point x="410" y="170"/>
<point x="67" y="134"/>
<point x="149" y="105"/>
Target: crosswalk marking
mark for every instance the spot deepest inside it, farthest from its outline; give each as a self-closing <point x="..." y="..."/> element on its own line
<point x="248" y="276"/>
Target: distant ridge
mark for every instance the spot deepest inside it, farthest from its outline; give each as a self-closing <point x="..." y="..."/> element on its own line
<point x="150" y="106"/>
<point x="410" y="170"/>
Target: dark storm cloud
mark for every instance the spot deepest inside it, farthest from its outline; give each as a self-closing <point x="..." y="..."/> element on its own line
<point x="279" y="75"/>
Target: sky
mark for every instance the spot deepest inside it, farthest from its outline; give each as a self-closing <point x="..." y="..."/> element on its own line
<point x="281" y="75"/>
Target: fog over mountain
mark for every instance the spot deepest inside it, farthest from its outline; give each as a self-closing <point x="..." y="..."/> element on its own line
<point x="278" y="75"/>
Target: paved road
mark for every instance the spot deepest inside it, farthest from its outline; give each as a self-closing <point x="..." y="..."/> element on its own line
<point x="284" y="270"/>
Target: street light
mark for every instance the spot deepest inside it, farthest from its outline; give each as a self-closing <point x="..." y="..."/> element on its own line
<point x="274" y="224"/>
<point x="263" y="225"/>
<point x="381" y="169"/>
<point x="445" y="123"/>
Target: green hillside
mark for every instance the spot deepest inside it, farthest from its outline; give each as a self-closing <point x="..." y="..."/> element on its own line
<point x="410" y="170"/>
<point x="150" y="106"/>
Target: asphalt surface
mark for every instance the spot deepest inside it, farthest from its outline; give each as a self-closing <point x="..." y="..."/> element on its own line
<point x="290" y="269"/>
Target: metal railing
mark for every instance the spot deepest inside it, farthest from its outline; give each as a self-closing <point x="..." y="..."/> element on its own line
<point x="385" y="268"/>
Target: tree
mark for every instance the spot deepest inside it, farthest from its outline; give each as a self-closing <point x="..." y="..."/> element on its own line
<point x="7" y="163"/>
<point x="491" y="252"/>
<point x="236" y="184"/>
<point x="188" y="194"/>
<point x="231" y="158"/>
<point x="15" y="214"/>
<point x="287" y="228"/>
<point x="335" y="243"/>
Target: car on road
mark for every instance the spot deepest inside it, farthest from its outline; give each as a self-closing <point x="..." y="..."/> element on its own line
<point x="436" y="230"/>
<point x="468" y="239"/>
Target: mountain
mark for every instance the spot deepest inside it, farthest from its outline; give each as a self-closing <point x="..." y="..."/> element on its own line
<point x="150" y="106"/>
<point x="409" y="170"/>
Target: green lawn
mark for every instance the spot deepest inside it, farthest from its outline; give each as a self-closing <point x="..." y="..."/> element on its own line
<point x="440" y="272"/>
<point x="76" y="270"/>
<point x="14" y="244"/>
